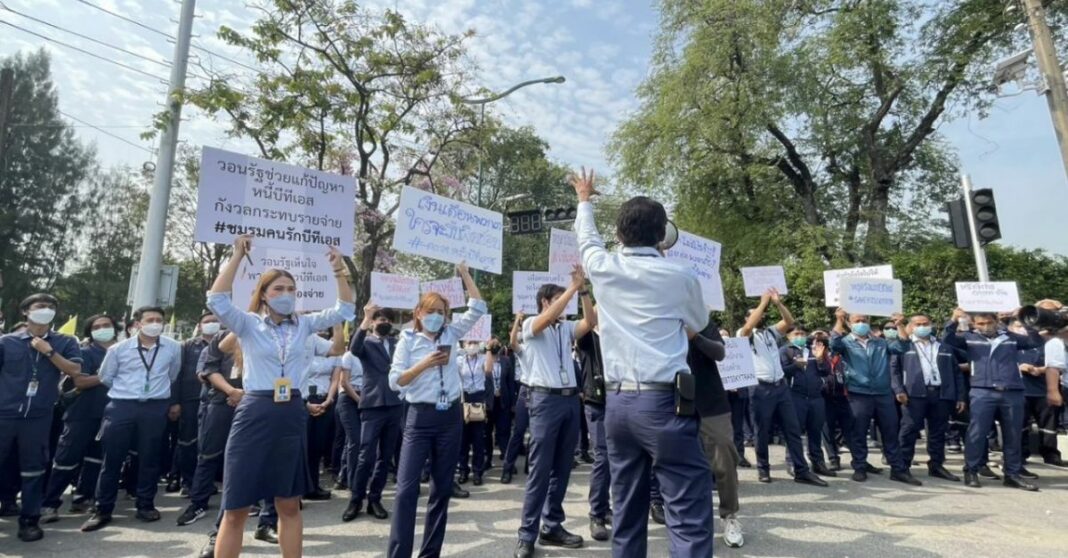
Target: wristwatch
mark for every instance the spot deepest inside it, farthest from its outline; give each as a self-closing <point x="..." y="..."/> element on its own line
<point x="50" y="354"/>
<point x="584" y="293"/>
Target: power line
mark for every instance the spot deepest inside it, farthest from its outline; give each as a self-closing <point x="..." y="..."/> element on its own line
<point x="105" y="132"/>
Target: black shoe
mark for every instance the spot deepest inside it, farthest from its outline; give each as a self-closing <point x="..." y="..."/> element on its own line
<point x="459" y="492"/>
<point x="560" y="537"/>
<point x="860" y="476"/>
<point x="209" y="549"/>
<point x="744" y="463"/>
<point x="869" y="468"/>
<point x="392" y="478"/>
<point x="1027" y="474"/>
<point x="477" y="480"/>
<point x="971" y="480"/>
<point x="9" y="509"/>
<point x="185" y="492"/>
<point x="822" y="470"/>
<point x="953" y="447"/>
<point x="1055" y="462"/>
<point x="96" y="522"/>
<point x="191" y="514"/>
<point x="986" y="473"/>
<point x="585" y="457"/>
<point x="341" y="485"/>
<point x="1021" y="483"/>
<point x="598" y="530"/>
<point x="836" y="464"/>
<point x="905" y="477"/>
<point x="424" y="478"/>
<point x="940" y="472"/>
<point x="376" y="509"/>
<point x="808" y="477"/>
<point x="80" y="506"/>
<point x="463" y="478"/>
<point x="790" y="471"/>
<point x="29" y="530"/>
<point x="172" y="487"/>
<point x="352" y="511"/>
<point x="318" y="495"/>
<point x="506" y="477"/>
<point x="763" y="476"/>
<point x="524" y="550"/>
<point x="656" y="511"/>
<point x="267" y="534"/>
<point x="148" y="515"/>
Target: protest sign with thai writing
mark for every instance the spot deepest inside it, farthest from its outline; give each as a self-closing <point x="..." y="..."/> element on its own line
<point x="481" y="331"/>
<point x="448" y="230"/>
<point x="758" y="280"/>
<point x="563" y="251"/>
<point x="525" y="285"/>
<point x="737" y="369"/>
<point x="316" y="285"/>
<point x="831" y="278"/>
<point x="394" y="291"/>
<point x="871" y="297"/>
<point x="452" y="289"/>
<point x="702" y="255"/>
<point x="988" y="297"/>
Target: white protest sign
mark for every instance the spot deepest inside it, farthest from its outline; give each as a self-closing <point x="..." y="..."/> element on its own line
<point x="448" y="230"/>
<point x="758" y="280"/>
<point x="316" y="285"/>
<point x="394" y="291"/>
<point x="988" y="297"/>
<point x="871" y="297"/>
<point x="702" y="255"/>
<point x="563" y="251"/>
<point x="283" y="206"/>
<point x="737" y="369"/>
<point x="525" y="285"/>
<point x="481" y="331"/>
<point x="451" y="289"/>
<point x="831" y="278"/>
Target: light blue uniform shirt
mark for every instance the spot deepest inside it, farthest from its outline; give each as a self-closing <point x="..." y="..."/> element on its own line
<point x="549" y="354"/>
<point x="472" y="373"/>
<point x="351" y="363"/>
<point x="319" y="374"/>
<point x="520" y="364"/>
<point x="124" y="373"/>
<point x="413" y="347"/>
<point x="272" y="351"/>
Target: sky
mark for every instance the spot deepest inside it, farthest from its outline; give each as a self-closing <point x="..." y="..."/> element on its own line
<point x="602" y="47"/>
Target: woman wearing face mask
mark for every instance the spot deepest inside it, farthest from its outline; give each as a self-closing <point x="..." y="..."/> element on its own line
<point x="474" y="370"/>
<point x="429" y="380"/>
<point x="268" y="439"/>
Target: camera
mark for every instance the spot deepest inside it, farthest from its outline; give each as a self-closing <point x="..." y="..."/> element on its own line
<point x="1041" y="318"/>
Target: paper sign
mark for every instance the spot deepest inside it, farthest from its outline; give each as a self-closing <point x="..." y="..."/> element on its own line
<point x="871" y="297"/>
<point x="702" y="255"/>
<point x="563" y="251"/>
<point x="481" y="331"/>
<point x="525" y="285"/>
<point x="451" y="289"/>
<point x="758" y="280"/>
<point x="283" y="206"/>
<point x="833" y="276"/>
<point x="737" y="369"/>
<point x="437" y="227"/>
<point x="316" y="285"/>
<point x="988" y="297"/>
<point x="394" y="291"/>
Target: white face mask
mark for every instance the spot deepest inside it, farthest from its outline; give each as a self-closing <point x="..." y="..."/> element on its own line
<point x="152" y="330"/>
<point x="103" y="335"/>
<point x="41" y="316"/>
<point x="210" y="328"/>
<point x="472" y="350"/>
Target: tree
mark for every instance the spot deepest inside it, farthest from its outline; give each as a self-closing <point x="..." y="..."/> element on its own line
<point x="42" y="166"/>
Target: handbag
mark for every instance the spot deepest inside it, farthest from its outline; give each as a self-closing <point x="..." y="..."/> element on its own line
<point x="473" y="412"/>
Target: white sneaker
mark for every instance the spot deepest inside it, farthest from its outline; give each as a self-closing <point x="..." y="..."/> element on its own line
<point x="732" y="533"/>
<point x="49" y="515"/>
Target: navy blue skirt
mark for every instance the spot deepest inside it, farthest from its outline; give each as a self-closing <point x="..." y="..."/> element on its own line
<point x="266" y="453"/>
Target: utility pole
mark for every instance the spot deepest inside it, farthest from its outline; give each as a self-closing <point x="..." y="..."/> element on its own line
<point x="1056" y="90"/>
<point x="977" y="249"/>
<point x="7" y="90"/>
<point x="147" y="286"/>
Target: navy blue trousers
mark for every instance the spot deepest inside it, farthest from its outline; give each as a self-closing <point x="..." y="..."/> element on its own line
<point x="473" y="441"/>
<point x="434" y="435"/>
<point x="933" y="412"/>
<point x="884" y="409"/>
<point x="28" y="437"/>
<point x="739" y="418"/>
<point x="1008" y="407"/>
<point x="320" y="440"/>
<point x="379" y="434"/>
<point x="213" y="431"/>
<point x="519" y="429"/>
<point x="338" y="458"/>
<point x="644" y="435"/>
<point x="811" y="416"/>
<point x="78" y="453"/>
<point x="137" y="426"/>
<point x="348" y="411"/>
<point x="774" y="403"/>
<point x="10" y="480"/>
<point x="185" y="457"/>
<point x="839" y="420"/>
<point x="554" y="429"/>
<point x="600" y="478"/>
<point x="498" y="430"/>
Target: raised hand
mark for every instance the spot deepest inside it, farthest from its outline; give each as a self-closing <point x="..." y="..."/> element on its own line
<point x="337" y="261"/>
<point x="242" y="245"/>
<point x="578" y="277"/>
<point x="583" y="184"/>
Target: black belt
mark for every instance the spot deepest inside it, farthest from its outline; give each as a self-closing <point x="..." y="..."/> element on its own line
<point x="566" y="392"/>
<point x="295" y="394"/>
<point x="317" y="398"/>
<point x="431" y="406"/>
<point x="778" y="383"/>
<point x="934" y="388"/>
<point x="639" y="386"/>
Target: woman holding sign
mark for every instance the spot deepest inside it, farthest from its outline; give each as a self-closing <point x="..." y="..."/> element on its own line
<point x="428" y="378"/>
<point x="267" y="444"/>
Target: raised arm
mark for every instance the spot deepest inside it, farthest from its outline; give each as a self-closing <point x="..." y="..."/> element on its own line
<point x="589" y="315"/>
<point x="787" y="320"/>
<point x="756" y="316"/>
<point x="476" y="307"/>
<point x="517" y="327"/>
<point x="840" y="322"/>
<point x="224" y="283"/>
<point x="553" y="312"/>
<point x="356" y="346"/>
<point x="590" y="244"/>
<point x="469" y="282"/>
<point x="337" y="341"/>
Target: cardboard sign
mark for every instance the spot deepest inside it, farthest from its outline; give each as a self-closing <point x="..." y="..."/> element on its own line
<point x="563" y="251"/>
<point x="394" y="291"/>
<point x="525" y="285"/>
<point x="316" y="285"/>
<point x="758" y="280"/>
<point x="988" y="297"/>
<point x="284" y="206"/>
<point x="452" y="289"/>
<point x="702" y="255"/>
<point x="871" y="297"/>
<point x="737" y="369"/>
<point x="481" y="331"/>
<point x="448" y="230"/>
<point x="831" y="278"/>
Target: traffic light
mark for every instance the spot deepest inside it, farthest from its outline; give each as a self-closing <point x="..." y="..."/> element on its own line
<point x="985" y="216"/>
<point x="958" y="223"/>
<point x="525" y="222"/>
<point x="559" y="215"/>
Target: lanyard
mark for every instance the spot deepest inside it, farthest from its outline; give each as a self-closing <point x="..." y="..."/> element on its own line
<point x="471" y="370"/>
<point x="558" y="337"/>
<point x="926" y="353"/>
<point x="148" y="364"/>
<point x="281" y="340"/>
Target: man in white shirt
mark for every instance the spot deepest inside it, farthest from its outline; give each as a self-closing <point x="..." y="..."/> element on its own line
<point x="646" y="304"/>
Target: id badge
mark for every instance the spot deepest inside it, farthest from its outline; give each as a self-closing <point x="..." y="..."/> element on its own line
<point x="31" y="388"/>
<point x="283" y="390"/>
<point x="443" y="403"/>
<point x="235" y="372"/>
<point x="564" y="379"/>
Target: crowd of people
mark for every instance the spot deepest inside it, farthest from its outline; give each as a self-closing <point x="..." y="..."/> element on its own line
<point x="261" y="401"/>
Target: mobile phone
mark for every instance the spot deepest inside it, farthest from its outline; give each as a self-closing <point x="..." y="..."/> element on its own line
<point x="447" y="349"/>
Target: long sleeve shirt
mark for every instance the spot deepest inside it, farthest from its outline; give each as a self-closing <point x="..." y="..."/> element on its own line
<point x="441" y="382"/>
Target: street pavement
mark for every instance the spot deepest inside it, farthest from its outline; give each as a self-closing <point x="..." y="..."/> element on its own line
<point x="879" y="518"/>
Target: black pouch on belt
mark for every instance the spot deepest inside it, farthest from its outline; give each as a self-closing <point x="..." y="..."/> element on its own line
<point x="685" y="390"/>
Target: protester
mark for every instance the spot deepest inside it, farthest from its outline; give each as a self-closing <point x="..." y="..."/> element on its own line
<point x="348" y="408"/>
<point x="594" y="394"/>
<point x="187" y="393"/>
<point x="501" y="405"/>
<point x="806" y="363"/>
<point x="475" y="372"/>
<point x="319" y="389"/>
<point x="522" y="415"/>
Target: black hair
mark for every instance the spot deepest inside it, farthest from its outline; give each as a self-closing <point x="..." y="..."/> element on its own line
<point x="990" y="315"/>
<point x="140" y="312"/>
<point x="87" y="329"/>
<point x="35" y="298"/>
<point x="205" y="314"/>
<point x="796" y="328"/>
<point x="384" y="313"/>
<point x="547" y="292"/>
<point x="642" y="221"/>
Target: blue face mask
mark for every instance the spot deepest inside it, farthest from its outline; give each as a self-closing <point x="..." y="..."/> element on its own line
<point x="799" y="342"/>
<point x="284" y="304"/>
<point x="861" y="329"/>
<point x="922" y="332"/>
<point x="890" y="333"/>
<point x="433" y="322"/>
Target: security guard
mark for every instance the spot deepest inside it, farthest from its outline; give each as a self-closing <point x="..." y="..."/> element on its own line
<point x="807" y="365"/>
<point x="187" y="393"/>
<point x="499" y="406"/>
<point x="593" y="392"/>
<point x="522" y="416"/>
<point x="32" y="362"/>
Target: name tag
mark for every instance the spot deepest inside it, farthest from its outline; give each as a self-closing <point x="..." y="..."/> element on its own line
<point x="31" y="388"/>
<point x="235" y="373"/>
<point x="283" y="390"/>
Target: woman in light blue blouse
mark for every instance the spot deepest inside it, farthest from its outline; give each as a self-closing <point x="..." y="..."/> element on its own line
<point x="265" y="453"/>
<point x="429" y="380"/>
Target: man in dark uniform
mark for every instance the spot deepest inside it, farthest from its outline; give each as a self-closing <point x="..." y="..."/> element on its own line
<point x="187" y="391"/>
<point x="499" y="422"/>
<point x="807" y="366"/>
